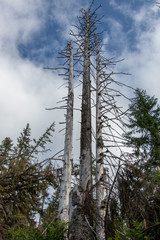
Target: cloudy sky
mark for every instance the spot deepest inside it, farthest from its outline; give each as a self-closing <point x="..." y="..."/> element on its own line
<point x="32" y="33"/>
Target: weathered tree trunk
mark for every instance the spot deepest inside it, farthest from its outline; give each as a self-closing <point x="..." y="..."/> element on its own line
<point x="86" y="153"/>
<point x="79" y="227"/>
<point x="67" y="165"/>
<point x="100" y="207"/>
<point x="81" y="197"/>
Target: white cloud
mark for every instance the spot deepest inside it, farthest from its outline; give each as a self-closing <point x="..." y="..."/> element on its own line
<point x="19" y="20"/>
<point x="117" y="36"/>
<point x="65" y="14"/>
<point x="144" y="63"/>
<point x="124" y="8"/>
<point x="26" y="88"/>
<point x="142" y="56"/>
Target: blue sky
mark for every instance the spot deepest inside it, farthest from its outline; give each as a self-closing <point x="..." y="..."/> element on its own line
<point x="57" y="22"/>
<point x="124" y="15"/>
<point x="33" y="32"/>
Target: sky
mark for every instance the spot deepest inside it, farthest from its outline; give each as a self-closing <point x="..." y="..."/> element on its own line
<point x="33" y="32"/>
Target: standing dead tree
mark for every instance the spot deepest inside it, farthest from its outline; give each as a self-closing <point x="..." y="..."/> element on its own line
<point x="86" y="141"/>
<point x="65" y="187"/>
<point x="109" y="139"/>
<point x="67" y="163"/>
<point x="100" y="191"/>
<point x="110" y="119"/>
<point x="82" y="216"/>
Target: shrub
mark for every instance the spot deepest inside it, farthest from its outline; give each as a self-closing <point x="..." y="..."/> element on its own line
<point x="133" y="233"/>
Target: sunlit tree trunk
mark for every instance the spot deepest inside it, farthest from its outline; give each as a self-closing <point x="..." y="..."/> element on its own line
<point x="100" y="208"/>
<point x="67" y="165"/>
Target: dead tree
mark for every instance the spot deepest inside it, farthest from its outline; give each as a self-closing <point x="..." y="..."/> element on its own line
<point x="86" y="142"/>
<point x="100" y="190"/>
<point x="65" y="189"/>
<point x="110" y="143"/>
<point x="82" y="216"/>
<point x="109" y="135"/>
<point x="109" y="129"/>
<point x="108" y="118"/>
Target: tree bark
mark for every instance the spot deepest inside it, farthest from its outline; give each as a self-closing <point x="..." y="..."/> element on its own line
<point x="100" y="206"/>
<point x="79" y="227"/>
<point x="67" y="166"/>
<point x="86" y="153"/>
<point x="81" y="197"/>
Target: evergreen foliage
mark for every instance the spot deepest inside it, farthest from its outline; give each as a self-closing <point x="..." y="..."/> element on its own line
<point x="55" y="231"/>
<point x="138" y="182"/>
<point x="25" y="234"/>
<point x="144" y="126"/>
<point x="134" y="233"/>
<point x="24" y="179"/>
<point x="51" y="212"/>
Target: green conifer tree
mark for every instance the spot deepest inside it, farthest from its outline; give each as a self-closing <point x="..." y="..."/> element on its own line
<point x="144" y="129"/>
<point x="24" y="179"/>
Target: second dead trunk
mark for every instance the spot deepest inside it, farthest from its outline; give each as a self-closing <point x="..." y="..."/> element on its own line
<point x="100" y="207"/>
<point x="67" y="165"/>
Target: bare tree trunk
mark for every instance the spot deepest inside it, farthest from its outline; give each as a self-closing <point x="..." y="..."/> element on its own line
<point x="86" y="153"/>
<point x="81" y="198"/>
<point x="67" y="166"/>
<point x="100" y="208"/>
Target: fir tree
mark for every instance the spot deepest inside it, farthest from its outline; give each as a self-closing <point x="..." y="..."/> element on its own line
<point x="24" y="179"/>
<point x="144" y="128"/>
